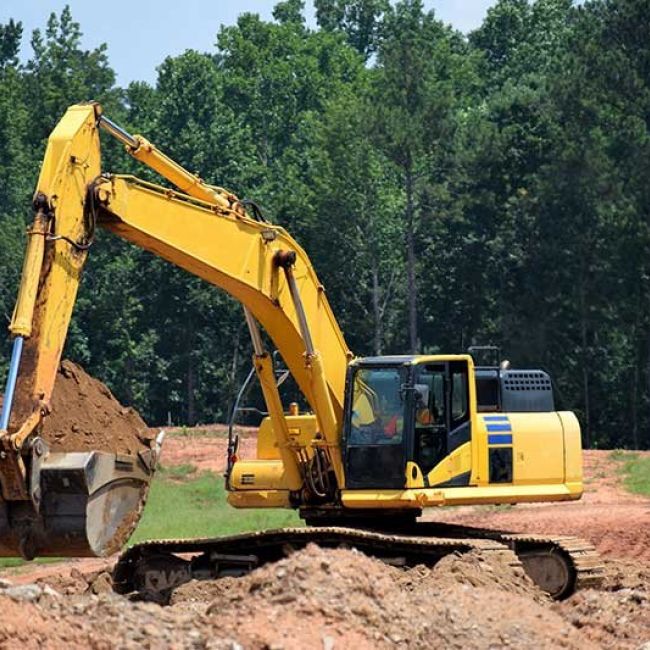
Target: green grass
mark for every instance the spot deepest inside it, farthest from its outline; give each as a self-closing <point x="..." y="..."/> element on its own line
<point x="623" y="454"/>
<point x="11" y="562"/>
<point x="198" y="432"/>
<point x="176" y="472"/>
<point x="636" y="473"/>
<point x="185" y="504"/>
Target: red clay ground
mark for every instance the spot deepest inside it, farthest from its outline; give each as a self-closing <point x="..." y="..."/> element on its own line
<point x="615" y="521"/>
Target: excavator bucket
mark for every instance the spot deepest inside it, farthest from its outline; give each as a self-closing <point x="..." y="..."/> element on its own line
<point x="84" y="503"/>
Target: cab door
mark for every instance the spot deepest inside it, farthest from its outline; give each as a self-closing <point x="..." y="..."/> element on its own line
<point x="442" y="415"/>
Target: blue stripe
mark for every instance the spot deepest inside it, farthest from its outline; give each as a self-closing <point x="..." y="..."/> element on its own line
<point x="500" y="439"/>
<point x="496" y="418"/>
<point x="499" y="427"/>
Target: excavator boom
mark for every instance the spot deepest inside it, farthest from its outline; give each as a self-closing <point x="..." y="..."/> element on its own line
<point x="203" y="229"/>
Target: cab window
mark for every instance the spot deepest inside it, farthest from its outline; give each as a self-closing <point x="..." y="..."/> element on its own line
<point x="459" y="395"/>
<point x="377" y="407"/>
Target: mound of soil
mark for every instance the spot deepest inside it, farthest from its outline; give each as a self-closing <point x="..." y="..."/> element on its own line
<point x="335" y="599"/>
<point x="85" y="416"/>
<point x="619" y="619"/>
<point x="472" y="600"/>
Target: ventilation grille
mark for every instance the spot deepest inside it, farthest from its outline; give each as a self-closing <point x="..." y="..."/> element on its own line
<point x="526" y="381"/>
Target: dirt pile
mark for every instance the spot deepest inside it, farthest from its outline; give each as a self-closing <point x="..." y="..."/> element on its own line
<point x="335" y="599"/>
<point x="76" y="583"/>
<point x="85" y="416"/>
<point x="619" y="619"/>
<point x="341" y="598"/>
<point x="34" y="619"/>
<point x="493" y="570"/>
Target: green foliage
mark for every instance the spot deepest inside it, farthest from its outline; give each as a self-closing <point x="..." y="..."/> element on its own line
<point x="450" y="190"/>
<point x="360" y="20"/>
<point x="10" y="37"/>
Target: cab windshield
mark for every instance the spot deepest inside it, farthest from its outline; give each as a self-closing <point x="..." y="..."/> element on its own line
<point x="377" y="407"/>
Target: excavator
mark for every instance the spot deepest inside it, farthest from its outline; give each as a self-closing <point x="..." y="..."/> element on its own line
<point x="382" y="439"/>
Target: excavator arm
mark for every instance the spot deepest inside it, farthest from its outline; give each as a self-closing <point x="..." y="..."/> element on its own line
<point x="206" y="231"/>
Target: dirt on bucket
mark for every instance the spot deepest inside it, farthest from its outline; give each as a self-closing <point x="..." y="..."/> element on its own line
<point x="86" y="416"/>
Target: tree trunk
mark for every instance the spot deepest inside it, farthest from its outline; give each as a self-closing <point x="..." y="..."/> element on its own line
<point x="410" y="264"/>
<point x="585" y="362"/>
<point x="376" y="310"/>
<point x="635" y="406"/>
<point x="233" y="388"/>
<point x="191" y="404"/>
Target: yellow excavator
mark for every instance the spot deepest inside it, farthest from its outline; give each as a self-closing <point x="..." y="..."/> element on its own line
<point x="383" y="439"/>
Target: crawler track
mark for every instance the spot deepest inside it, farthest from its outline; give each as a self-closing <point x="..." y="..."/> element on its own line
<point x="543" y="556"/>
<point x="154" y="569"/>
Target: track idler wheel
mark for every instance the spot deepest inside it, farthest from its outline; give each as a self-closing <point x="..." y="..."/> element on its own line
<point x="551" y="570"/>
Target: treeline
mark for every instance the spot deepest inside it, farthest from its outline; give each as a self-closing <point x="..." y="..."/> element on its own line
<point x="451" y="190"/>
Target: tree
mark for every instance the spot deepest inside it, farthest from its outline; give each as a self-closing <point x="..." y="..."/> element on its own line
<point x="358" y="201"/>
<point x="10" y="38"/>
<point x="359" y="20"/>
<point x="289" y="11"/>
<point x="60" y="73"/>
<point x="414" y="93"/>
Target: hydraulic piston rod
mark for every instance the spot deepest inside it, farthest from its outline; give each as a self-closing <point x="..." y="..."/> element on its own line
<point x="11" y="382"/>
<point x="118" y="132"/>
<point x="146" y="152"/>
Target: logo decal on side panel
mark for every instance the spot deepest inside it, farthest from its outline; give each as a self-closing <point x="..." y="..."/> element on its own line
<point x="499" y="429"/>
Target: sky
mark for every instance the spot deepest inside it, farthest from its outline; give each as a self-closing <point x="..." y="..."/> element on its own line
<point x="141" y="33"/>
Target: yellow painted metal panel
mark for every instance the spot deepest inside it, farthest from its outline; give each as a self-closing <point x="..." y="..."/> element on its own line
<point x="572" y="447"/>
<point x="456" y="496"/>
<point x="538" y="453"/>
<point x="302" y="429"/>
<point x="261" y="499"/>
<point x="414" y="477"/>
<point x="258" y="475"/>
<point x="537" y="441"/>
<point x="457" y="462"/>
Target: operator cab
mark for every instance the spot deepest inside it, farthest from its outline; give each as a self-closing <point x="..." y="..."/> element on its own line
<point x="401" y="409"/>
<point x="417" y="409"/>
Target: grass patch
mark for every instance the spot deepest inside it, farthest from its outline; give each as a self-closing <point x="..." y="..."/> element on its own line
<point x="13" y="562"/>
<point x="198" y="432"/>
<point x="195" y="506"/>
<point x="623" y="455"/>
<point x="636" y="473"/>
<point x="176" y="472"/>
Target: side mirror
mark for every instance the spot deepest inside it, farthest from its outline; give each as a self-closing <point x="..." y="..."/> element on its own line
<point x="422" y="394"/>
